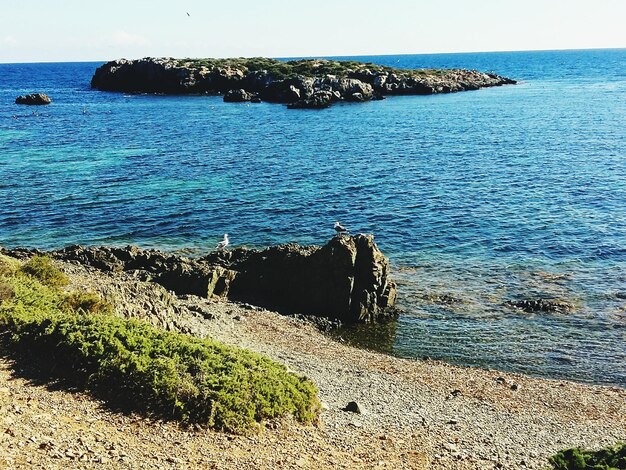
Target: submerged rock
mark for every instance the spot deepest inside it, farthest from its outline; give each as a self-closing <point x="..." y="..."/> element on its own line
<point x="541" y="305"/>
<point x="33" y="99"/>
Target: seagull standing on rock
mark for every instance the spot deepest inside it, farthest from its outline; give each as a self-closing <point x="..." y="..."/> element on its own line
<point x="221" y="246"/>
<point x="340" y="229"/>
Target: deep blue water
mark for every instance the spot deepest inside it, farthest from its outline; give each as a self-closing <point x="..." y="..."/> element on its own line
<point x="482" y="196"/>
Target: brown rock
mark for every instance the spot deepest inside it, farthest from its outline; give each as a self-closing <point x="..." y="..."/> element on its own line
<point x="33" y="99"/>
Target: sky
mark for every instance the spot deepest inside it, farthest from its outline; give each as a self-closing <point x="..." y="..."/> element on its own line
<point x="78" y="30"/>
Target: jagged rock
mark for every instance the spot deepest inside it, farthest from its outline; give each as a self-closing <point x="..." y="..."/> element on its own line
<point x="347" y="279"/>
<point x="356" y="97"/>
<point x="145" y="75"/>
<point x="287" y="91"/>
<point x="164" y="75"/>
<point x="33" y="99"/>
<point x="237" y="96"/>
<point x="347" y="88"/>
<point x="257" y="80"/>
<point x="319" y="100"/>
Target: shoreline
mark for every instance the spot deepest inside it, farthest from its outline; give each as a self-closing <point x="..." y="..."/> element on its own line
<point x="148" y="264"/>
<point x="416" y="414"/>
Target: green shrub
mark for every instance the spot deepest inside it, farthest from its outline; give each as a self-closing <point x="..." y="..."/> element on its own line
<point x="133" y="364"/>
<point x="8" y="266"/>
<point x="609" y="458"/>
<point x="42" y="269"/>
<point x="86" y="302"/>
<point x="6" y="290"/>
<point x="281" y="70"/>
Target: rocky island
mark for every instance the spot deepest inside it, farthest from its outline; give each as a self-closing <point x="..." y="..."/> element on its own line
<point x="306" y="83"/>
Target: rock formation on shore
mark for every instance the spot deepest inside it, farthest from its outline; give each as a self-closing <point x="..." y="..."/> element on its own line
<point x="347" y="279"/>
<point x="298" y="83"/>
<point x="33" y="99"/>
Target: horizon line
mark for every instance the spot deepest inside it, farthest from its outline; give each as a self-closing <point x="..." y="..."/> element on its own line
<point x="334" y="55"/>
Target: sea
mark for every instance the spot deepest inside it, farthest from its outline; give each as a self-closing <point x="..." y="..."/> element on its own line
<point x="478" y="198"/>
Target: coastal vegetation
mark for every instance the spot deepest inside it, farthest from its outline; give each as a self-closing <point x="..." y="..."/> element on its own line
<point x="73" y="337"/>
<point x="609" y="458"/>
<point x="284" y="70"/>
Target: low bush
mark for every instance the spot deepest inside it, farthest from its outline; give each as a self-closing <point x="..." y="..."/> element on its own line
<point x="8" y="266"/>
<point x="86" y="302"/>
<point x="609" y="458"/>
<point x="134" y="365"/>
<point x="42" y="268"/>
<point x="6" y="290"/>
<point x="281" y="70"/>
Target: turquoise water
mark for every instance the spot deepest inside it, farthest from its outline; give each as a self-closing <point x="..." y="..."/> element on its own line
<point x="480" y="197"/>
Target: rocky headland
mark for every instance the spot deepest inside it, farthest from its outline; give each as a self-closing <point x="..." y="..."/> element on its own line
<point x="308" y="83"/>
<point x="346" y="280"/>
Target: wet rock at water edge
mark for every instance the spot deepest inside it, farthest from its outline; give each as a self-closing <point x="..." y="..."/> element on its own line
<point x="34" y="99"/>
<point x="237" y="96"/>
<point x="318" y="100"/>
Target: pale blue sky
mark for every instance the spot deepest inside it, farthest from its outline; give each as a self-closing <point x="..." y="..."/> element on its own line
<point x="79" y="30"/>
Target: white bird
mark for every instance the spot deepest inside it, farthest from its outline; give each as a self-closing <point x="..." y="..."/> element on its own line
<point x="221" y="246"/>
<point x="340" y="228"/>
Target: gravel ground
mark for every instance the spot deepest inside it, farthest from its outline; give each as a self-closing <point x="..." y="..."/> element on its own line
<point x="415" y="414"/>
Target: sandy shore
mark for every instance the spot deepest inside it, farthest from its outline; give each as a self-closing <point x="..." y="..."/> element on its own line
<point x="416" y="414"/>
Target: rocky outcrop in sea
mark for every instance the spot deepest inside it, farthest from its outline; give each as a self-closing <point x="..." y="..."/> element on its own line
<point x="33" y="99"/>
<point x="346" y="280"/>
<point x="299" y="83"/>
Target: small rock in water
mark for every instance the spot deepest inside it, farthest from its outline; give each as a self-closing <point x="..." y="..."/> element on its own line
<point x="33" y="99"/>
<point x="354" y="407"/>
